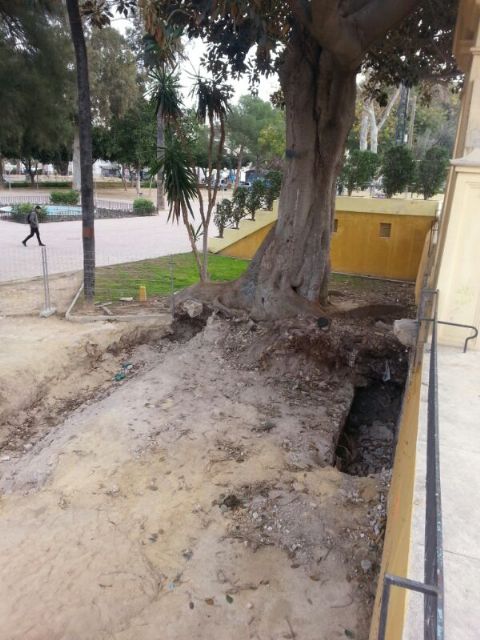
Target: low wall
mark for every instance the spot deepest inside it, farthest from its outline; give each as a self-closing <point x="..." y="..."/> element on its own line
<point x="396" y="549"/>
<point x="371" y="237"/>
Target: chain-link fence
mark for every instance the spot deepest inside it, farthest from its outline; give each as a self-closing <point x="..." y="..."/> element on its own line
<point x="46" y="278"/>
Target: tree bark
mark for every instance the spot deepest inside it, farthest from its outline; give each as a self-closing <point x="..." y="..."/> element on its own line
<point x="293" y="263"/>
<point x="86" y="161"/>
<point x="373" y="129"/>
<point x="411" y="121"/>
<point x="76" y="177"/>
<point x="160" y="147"/>
<point x="364" y="128"/>
<point x="3" y="182"/>
<point x="139" y="182"/>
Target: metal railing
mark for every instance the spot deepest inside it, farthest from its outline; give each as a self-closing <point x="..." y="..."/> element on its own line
<point x="433" y="585"/>
<point x="7" y="199"/>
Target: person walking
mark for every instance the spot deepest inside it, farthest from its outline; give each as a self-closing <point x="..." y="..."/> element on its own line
<point x="32" y="220"/>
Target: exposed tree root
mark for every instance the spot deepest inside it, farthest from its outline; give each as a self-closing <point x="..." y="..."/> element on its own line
<point x="241" y="297"/>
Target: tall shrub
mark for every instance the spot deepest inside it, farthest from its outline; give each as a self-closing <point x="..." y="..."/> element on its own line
<point x="398" y="169"/>
<point x="431" y="172"/>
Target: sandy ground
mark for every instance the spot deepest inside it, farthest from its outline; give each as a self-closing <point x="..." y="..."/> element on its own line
<point x="181" y="482"/>
<point x="193" y="499"/>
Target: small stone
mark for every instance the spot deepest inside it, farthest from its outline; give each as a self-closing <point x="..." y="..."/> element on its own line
<point x="249" y="605"/>
<point x="193" y="308"/>
<point x="28" y="446"/>
<point x="405" y="331"/>
<point x="366" y="565"/>
<point x="4" y="458"/>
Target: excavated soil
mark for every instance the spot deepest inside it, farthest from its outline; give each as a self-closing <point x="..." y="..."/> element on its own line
<point x="190" y="487"/>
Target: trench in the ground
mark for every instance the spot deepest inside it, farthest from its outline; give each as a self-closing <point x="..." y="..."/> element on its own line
<point x="366" y="444"/>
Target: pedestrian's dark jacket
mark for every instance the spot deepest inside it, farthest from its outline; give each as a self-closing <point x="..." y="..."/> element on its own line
<point x="32" y="219"/>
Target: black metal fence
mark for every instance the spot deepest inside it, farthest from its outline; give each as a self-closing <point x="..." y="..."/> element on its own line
<point x="433" y="585"/>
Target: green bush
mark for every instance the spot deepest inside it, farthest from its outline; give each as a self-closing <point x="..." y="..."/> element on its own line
<point x="272" y="189"/>
<point x="255" y="197"/>
<point x="359" y="170"/>
<point x="20" y="185"/>
<point x="21" y="211"/>
<point x="431" y="172"/>
<point x="65" y="197"/>
<point x="56" y="184"/>
<point x="239" y="201"/>
<point x="143" y="207"/>
<point x="398" y="169"/>
<point x="223" y="215"/>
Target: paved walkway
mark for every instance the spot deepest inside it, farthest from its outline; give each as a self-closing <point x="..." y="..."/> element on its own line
<point x="117" y="240"/>
<point x="459" y="418"/>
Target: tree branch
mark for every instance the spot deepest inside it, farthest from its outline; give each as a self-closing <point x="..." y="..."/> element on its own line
<point x="379" y="16"/>
<point x="348" y="37"/>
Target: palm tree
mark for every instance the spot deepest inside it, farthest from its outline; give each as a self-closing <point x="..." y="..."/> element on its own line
<point x="213" y="97"/>
<point x="161" y="61"/>
<point x="85" y="126"/>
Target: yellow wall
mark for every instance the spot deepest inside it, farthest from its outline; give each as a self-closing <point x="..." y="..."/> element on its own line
<point x="356" y="245"/>
<point x="247" y="246"/>
<point x="400" y="506"/>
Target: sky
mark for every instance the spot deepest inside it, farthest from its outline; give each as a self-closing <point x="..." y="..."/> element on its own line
<point x="194" y="50"/>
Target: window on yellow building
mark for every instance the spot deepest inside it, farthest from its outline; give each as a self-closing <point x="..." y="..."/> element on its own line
<point x="385" y="230"/>
<point x="335" y="226"/>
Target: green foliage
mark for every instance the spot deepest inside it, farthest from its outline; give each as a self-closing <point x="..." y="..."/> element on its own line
<point x="255" y="197"/>
<point x="38" y="85"/>
<point x="113" y="74"/>
<point x="143" y="207"/>
<point x="165" y="93"/>
<point x="52" y="184"/>
<point x="180" y="180"/>
<point x="239" y="203"/>
<point x="359" y="170"/>
<point x="21" y="211"/>
<point x="255" y="127"/>
<point x="130" y="139"/>
<point x="223" y="215"/>
<point x="398" y="170"/>
<point x="272" y="189"/>
<point x="431" y="172"/>
<point x="65" y="197"/>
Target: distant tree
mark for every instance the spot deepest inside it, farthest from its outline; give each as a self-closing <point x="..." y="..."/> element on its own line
<point x="245" y="124"/>
<point x="255" y="197"/>
<point x="113" y="74"/>
<point x="223" y="215"/>
<point x="273" y="187"/>
<point x="431" y="172"/>
<point x="37" y="86"/>
<point x="271" y="143"/>
<point x="359" y="170"/>
<point x="398" y="170"/>
<point x="132" y="138"/>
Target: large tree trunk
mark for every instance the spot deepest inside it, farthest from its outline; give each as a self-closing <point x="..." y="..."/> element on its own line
<point x="293" y="263"/>
<point x="86" y="161"/>
<point x="160" y="152"/>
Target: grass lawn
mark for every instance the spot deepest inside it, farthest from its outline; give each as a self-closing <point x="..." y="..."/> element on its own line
<point x="123" y="280"/>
